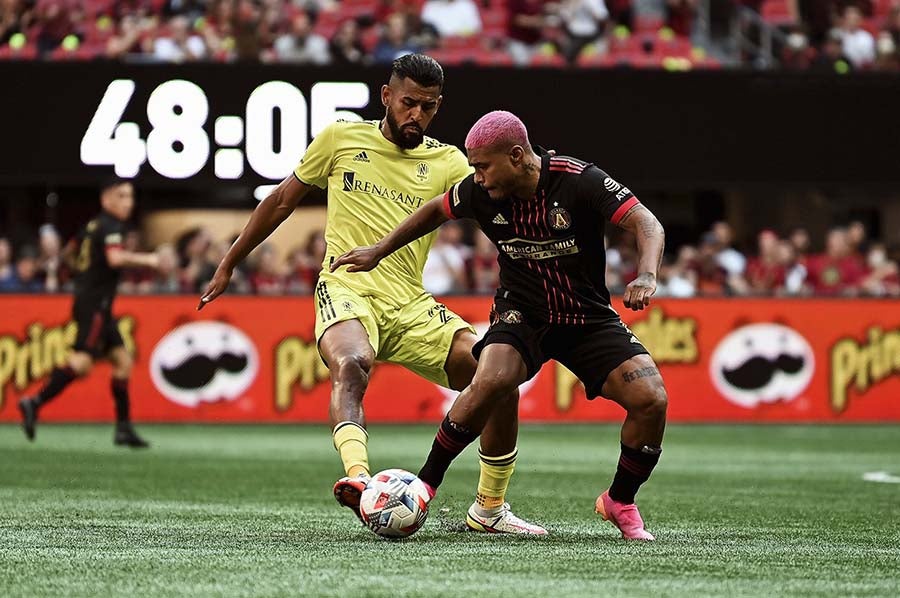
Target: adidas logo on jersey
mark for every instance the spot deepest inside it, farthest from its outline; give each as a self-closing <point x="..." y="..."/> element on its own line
<point x="361" y="157"/>
<point x="499" y="219"/>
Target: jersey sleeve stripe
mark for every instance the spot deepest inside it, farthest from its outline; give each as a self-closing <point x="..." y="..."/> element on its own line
<point x="446" y="204"/>
<point x="623" y="209"/>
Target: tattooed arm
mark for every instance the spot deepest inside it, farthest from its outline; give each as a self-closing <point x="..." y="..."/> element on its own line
<point x="651" y="240"/>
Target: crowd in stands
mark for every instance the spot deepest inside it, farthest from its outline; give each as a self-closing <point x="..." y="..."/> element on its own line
<point x="463" y="261"/>
<point x="836" y="35"/>
<point x="492" y="32"/>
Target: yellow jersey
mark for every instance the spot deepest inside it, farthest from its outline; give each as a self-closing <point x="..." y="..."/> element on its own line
<point x="373" y="185"/>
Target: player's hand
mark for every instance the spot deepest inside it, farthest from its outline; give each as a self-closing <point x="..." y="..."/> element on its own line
<point x="216" y="286"/>
<point x="361" y="259"/>
<point x="638" y="292"/>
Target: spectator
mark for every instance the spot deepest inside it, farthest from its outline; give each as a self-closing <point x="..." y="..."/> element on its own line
<point x="857" y="238"/>
<point x="395" y="41"/>
<point x="712" y="279"/>
<point x="269" y="278"/>
<point x="766" y="272"/>
<point x="445" y="268"/>
<point x="794" y="270"/>
<point x="484" y="270"/>
<point x="799" y="240"/>
<point x="302" y="45"/>
<point x="192" y="9"/>
<point x="680" y="16"/>
<point x="179" y="45"/>
<point x="836" y="271"/>
<point x="57" y="20"/>
<point x="832" y="59"/>
<point x="888" y="56"/>
<point x="679" y="279"/>
<point x="192" y="246"/>
<point x="621" y="12"/>
<point x="797" y="55"/>
<point x="525" y="29"/>
<point x="50" y="261"/>
<point x="857" y="43"/>
<point x="583" y="22"/>
<point x="15" y="17"/>
<point x="730" y="259"/>
<point x="452" y="17"/>
<point x="26" y="278"/>
<point x="166" y="280"/>
<point x="7" y="272"/>
<point x="346" y="45"/>
<point x="883" y="277"/>
<point x="130" y="38"/>
<point x="892" y="26"/>
<point x="306" y="264"/>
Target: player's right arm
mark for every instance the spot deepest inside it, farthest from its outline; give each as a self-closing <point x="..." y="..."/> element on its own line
<point x="267" y="216"/>
<point x="418" y="224"/>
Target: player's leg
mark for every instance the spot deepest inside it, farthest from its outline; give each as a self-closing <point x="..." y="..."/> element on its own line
<point x="612" y="363"/>
<point x="500" y="371"/>
<point x="122" y="364"/>
<point x="637" y="386"/>
<point x="498" y="453"/>
<point x="89" y="325"/>
<point x="346" y="349"/>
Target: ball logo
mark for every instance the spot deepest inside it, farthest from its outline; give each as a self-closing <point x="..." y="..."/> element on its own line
<point x="203" y="362"/>
<point x="762" y="363"/>
<point x="611" y="185"/>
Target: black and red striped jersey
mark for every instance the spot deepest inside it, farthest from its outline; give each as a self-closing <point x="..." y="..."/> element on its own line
<point x="552" y="255"/>
<point x="95" y="279"/>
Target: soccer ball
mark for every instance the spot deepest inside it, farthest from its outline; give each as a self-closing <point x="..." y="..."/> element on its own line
<point x="394" y="503"/>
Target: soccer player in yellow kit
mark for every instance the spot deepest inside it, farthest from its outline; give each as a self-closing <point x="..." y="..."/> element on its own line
<point x="376" y="174"/>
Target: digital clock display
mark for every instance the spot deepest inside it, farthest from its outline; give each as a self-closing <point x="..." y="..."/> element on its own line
<point x="269" y="137"/>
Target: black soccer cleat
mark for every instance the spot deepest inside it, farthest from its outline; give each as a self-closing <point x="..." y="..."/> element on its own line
<point x="126" y="436"/>
<point x="28" y="409"/>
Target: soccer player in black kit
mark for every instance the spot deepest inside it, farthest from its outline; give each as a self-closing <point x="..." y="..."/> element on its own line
<point x="98" y="257"/>
<point x="546" y="216"/>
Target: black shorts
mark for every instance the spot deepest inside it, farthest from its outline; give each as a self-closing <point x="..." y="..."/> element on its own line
<point x="98" y="330"/>
<point x="591" y="350"/>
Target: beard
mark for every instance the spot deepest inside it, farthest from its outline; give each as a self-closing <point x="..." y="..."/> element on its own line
<point x="408" y="137"/>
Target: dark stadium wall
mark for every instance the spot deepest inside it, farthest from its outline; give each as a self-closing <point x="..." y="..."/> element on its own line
<point x="659" y="129"/>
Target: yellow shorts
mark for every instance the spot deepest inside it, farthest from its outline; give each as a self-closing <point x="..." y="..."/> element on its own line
<point x="416" y="335"/>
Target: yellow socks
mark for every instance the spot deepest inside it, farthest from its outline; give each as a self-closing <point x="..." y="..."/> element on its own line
<point x="494" y="479"/>
<point x="351" y="442"/>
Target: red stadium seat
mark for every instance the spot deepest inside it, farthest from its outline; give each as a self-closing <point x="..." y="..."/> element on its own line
<point x="777" y="12"/>
<point x="647" y="23"/>
<point x="493" y="58"/>
<point x="541" y="59"/>
<point x="27" y="52"/>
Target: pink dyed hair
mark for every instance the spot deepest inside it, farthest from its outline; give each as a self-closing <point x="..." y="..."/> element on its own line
<point x="500" y="129"/>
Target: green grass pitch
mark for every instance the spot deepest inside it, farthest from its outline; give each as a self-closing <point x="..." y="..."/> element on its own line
<point x="248" y="511"/>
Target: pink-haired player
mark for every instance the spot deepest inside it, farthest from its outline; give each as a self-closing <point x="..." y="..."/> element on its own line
<point x="546" y="215"/>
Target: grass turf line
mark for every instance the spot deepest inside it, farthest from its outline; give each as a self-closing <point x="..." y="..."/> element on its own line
<point x="248" y="511"/>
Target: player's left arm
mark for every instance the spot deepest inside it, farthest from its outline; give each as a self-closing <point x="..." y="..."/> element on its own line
<point x="619" y="205"/>
<point x="651" y="240"/>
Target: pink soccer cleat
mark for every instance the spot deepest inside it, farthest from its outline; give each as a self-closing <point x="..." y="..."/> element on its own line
<point x="623" y="516"/>
<point x="348" y="491"/>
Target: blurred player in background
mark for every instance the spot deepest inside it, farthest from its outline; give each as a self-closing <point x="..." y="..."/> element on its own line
<point x="376" y="174"/>
<point x="99" y="257"/>
<point x="546" y="216"/>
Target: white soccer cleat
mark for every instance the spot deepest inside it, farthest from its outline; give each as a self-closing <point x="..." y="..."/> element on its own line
<point x="503" y="522"/>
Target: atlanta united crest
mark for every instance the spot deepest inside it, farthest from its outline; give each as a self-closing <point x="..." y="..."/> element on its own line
<point x="511" y="316"/>
<point x="560" y="219"/>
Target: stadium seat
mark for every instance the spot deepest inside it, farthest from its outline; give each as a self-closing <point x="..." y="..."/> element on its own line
<point x="647" y="23"/>
<point x="27" y="52"/>
<point x="541" y="59"/>
<point x="777" y="12"/>
<point x="493" y="58"/>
